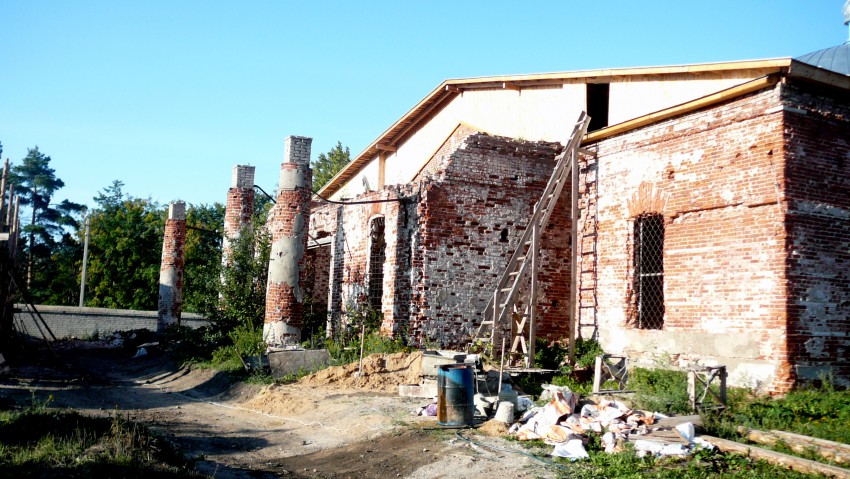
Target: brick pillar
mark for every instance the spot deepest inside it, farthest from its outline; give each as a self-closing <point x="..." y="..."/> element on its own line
<point x="239" y="208"/>
<point x="288" y="226"/>
<point x="171" y="267"/>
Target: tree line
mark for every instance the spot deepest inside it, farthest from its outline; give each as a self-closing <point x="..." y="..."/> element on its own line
<point x="125" y="243"/>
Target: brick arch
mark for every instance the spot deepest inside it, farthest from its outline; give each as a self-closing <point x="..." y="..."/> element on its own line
<point x="648" y="199"/>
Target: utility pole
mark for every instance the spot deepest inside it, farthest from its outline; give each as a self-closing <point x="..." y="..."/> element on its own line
<point x="85" y="262"/>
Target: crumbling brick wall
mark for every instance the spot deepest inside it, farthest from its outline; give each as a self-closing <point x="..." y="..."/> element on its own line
<point x="474" y="207"/>
<point x="348" y="263"/>
<point x="716" y="175"/>
<point x="450" y="239"/>
<point x="817" y="136"/>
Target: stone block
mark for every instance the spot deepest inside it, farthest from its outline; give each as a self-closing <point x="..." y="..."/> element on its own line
<point x="283" y="363"/>
<point x="427" y="389"/>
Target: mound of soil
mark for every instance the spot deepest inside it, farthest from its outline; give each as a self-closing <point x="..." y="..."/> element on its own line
<point x="381" y="372"/>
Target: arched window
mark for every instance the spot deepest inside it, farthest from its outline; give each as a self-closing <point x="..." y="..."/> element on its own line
<point x="377" y="255"/>
<point x="649" y="270"/>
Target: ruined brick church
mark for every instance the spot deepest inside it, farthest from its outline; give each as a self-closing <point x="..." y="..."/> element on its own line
<point x="713" y="222"/>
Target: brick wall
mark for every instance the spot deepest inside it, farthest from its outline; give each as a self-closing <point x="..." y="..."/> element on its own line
<point x="450" y="239"/>
<point x="817" y="136"/>
<point x="348" y="264"/>
<point x="475" y="204"/>
<point x="716" y="175"/>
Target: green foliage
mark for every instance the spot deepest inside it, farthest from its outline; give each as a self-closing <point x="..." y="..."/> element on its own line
<point x="125" y="248"/>
<point x="703" y="465"/>
<point x="822" y="412"/>
<point x="554" y="356"/>
<point x="37" y="442"/>
<point x="202" y="259"/>
<point x="45" y="238"/>
<point x="242" y="298"/>
<point x="660" y="390"/>
<point x="328" y="165"/>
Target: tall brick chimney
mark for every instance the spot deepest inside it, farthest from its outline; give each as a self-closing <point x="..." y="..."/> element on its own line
<point x="239" y="207"/>
<point x="288" y="225"/>
<point x="171" y="267"/>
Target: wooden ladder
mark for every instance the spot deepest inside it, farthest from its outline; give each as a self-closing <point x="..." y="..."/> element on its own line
<point x="507" y="303"/>
<point x="588" y="231"/>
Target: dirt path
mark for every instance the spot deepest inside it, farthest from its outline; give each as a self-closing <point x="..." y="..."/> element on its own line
<point x="259" y="432"/>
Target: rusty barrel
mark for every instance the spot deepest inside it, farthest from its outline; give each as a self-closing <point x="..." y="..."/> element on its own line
<point x="455" y="393"/>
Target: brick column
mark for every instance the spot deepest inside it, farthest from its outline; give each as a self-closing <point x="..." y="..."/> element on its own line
<point x="171" y="267"/>
<point x="239" y="207"/>
<point x="288" y="226"/>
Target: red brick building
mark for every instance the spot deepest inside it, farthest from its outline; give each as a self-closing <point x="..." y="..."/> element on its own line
<point x="713" y="223"/>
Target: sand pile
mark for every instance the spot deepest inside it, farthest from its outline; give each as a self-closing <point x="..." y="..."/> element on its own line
<point x="381" y="372"/>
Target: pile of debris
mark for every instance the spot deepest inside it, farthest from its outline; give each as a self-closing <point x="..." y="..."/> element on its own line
<point x="564" y="425"/>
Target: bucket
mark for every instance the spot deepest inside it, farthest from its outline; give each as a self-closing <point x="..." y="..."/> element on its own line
<point x="455" y="395"/>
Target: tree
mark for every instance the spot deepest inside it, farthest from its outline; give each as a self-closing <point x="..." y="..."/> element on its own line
<point x="36" y="184"/>
<point x="328" y="165"/>
<point x="125" y="249"/>
<point x="202" y="260"/>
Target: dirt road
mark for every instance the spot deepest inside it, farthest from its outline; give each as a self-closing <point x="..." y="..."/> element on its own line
<point x="238" y="431"/>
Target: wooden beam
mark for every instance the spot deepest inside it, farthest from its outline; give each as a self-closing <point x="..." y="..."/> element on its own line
<point x="510" y="86"/>
<point x="453" y="88"/>
<point x="382" y="169"/>
<point x="785" y="460"/>
<point x="435" y="106"/>
<point x="381" y="147"/>
<point x="829" y="450"/>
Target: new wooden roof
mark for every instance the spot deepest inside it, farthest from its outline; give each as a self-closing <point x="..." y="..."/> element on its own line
<point x="423" y="111"/>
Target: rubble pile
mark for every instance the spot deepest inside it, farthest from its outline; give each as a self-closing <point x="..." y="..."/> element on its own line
<point x="562" y="424"/>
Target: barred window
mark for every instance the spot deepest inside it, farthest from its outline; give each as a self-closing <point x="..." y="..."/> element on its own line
<point x="377" y="255"/>
<point x="649" y="270"/>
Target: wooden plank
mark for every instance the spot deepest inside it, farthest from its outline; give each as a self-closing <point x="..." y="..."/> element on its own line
<point x="792" y="462"/>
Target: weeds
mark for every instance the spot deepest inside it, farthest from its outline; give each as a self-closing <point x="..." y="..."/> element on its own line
<point x="39" y="443"/>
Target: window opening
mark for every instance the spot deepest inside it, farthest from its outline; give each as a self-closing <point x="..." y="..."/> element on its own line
<point x="503" y="236"/>
<point x="649" y="270"/>
<point x="597" y="105"/>
<point x="377" y="255"/>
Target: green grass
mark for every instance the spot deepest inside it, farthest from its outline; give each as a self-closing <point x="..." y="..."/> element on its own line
<point x="702" y="465"/>
<point x="37" y="442"/>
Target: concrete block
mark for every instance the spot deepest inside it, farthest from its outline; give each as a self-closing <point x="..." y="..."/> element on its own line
<point x="288" y="362"/>
<point x="431" y="360"/>
<point x="427" y="389"/>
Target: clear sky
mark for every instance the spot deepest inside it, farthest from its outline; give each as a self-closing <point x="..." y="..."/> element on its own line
<point x="167" y="96"/>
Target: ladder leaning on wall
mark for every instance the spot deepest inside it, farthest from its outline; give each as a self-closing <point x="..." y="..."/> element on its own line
<point x="514" y="302"/>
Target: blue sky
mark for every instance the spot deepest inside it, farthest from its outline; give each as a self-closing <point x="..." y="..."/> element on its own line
<point x="167" y="96"/>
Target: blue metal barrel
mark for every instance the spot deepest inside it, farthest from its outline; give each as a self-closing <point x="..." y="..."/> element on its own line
<point x="455" y="393"/>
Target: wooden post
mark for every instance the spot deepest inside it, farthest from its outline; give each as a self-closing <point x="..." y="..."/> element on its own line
<point x="597" y="374"/>
<point x="532" y="305"/>
<point x="692" y="389"/>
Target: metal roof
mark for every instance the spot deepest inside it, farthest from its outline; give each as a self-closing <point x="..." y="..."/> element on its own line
<point x="835" y="59"/>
